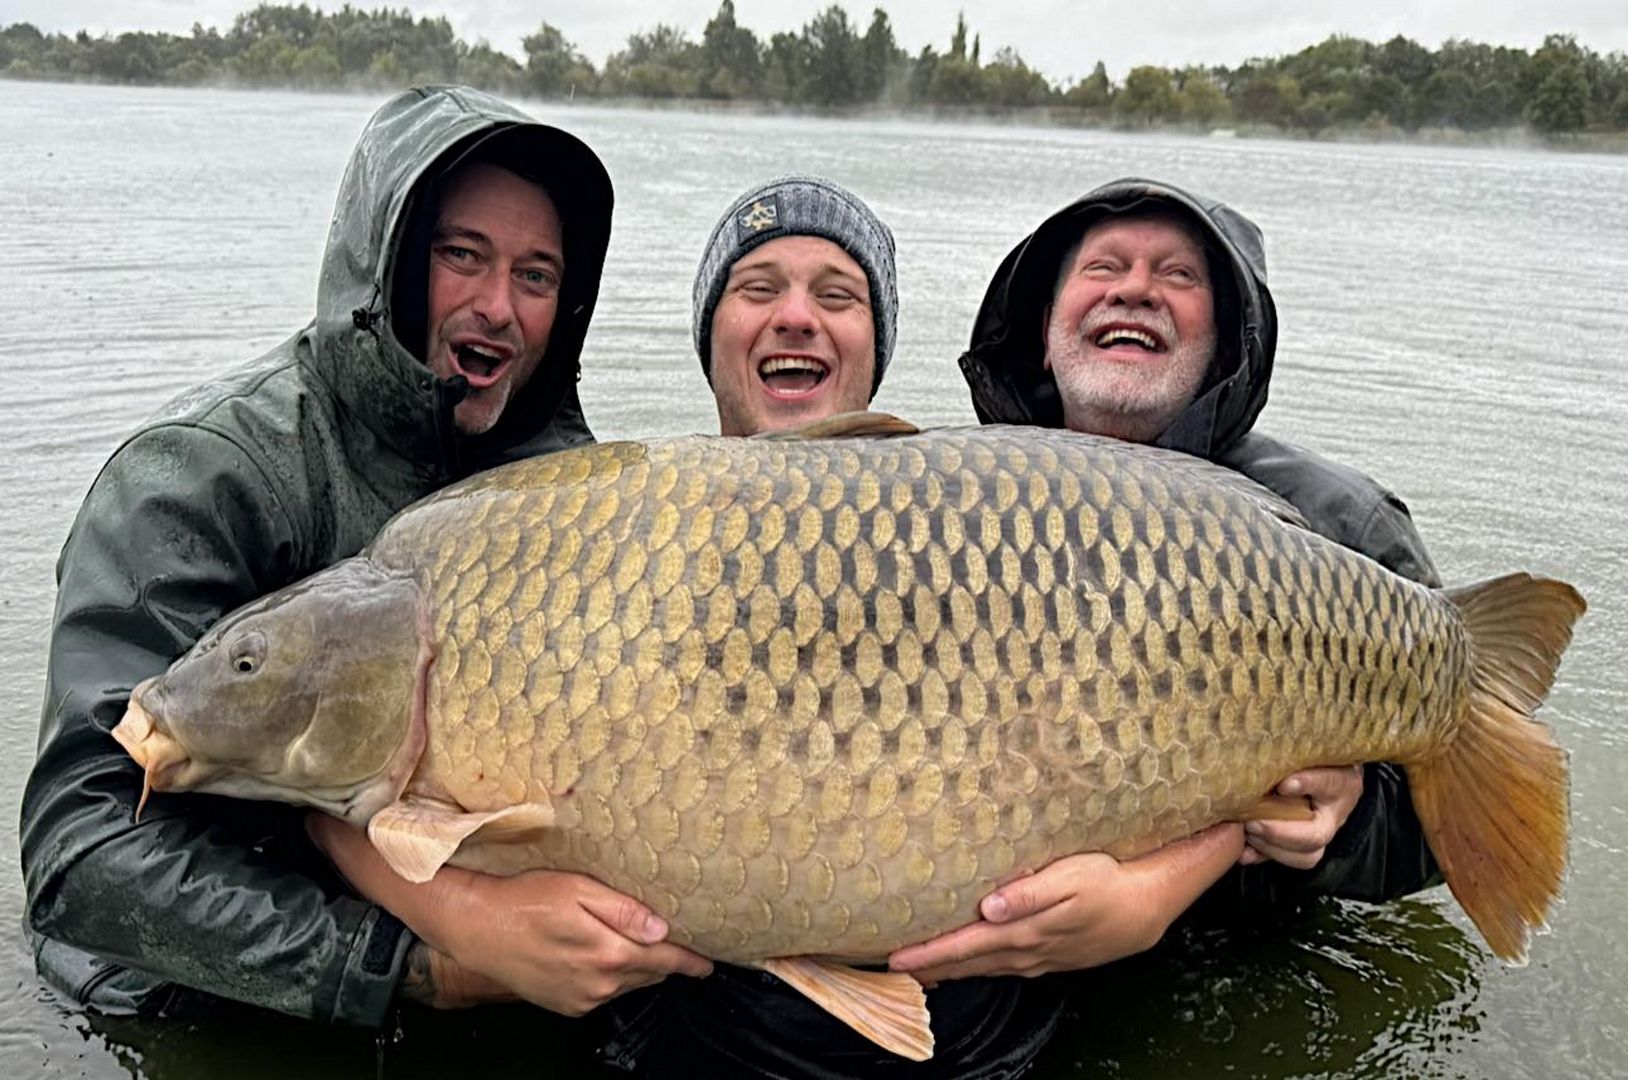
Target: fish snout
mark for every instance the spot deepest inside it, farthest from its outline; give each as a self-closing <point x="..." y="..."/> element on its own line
<point x="158" y="753"/>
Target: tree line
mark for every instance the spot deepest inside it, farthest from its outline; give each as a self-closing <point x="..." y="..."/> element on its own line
<point x="1344" y="82"/>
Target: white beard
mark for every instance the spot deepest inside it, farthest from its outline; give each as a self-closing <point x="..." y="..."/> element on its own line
<point x="1132" y="401"/>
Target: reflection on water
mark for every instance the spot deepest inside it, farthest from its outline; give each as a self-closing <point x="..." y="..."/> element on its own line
<point x="1452" y="323"/>
<point x="1336" y="989"/>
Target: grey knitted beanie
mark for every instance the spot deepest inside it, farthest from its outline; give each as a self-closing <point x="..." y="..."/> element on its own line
<point x="799" y="206"/>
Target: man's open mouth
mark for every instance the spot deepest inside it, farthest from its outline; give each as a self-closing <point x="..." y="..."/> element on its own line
<point x="792" y="376"/>
<point x="1114" y="337"/>
<point x="480" y="362"/>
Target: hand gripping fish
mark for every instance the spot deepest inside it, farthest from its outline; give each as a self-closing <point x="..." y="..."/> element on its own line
<point x="810" y="697"/>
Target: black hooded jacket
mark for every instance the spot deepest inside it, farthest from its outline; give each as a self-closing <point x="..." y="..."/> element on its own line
<point x="233" y="490"/>
<point x="1380" y="853"/>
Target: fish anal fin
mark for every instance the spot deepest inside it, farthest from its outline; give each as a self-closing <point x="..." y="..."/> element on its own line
<point x="1280" y="808"/>
<point x="887" y="1007"/>
<point x="417" y="836"/>
<point x="845" y="426"/>
<point x="1494" y="801"/>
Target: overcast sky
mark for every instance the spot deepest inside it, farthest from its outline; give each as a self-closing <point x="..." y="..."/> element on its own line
<point x="1063" y="38"/>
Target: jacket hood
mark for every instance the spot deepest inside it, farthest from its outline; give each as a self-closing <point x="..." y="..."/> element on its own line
<point x="372" y="294"/>
<point x="1004" y="365"/>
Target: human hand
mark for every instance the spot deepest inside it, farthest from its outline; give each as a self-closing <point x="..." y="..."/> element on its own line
<point x="1078" y="912"/>
<point x="1333" y="793"/>
<point x="563" y="941"/>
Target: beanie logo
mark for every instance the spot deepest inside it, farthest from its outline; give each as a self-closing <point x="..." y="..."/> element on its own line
<point x="763" y="214"/>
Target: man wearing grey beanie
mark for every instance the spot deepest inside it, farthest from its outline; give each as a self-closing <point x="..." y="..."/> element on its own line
<point x="795" y="305"/>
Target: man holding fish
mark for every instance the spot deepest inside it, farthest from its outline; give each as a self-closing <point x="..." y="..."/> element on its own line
<point x="461" y="272"/>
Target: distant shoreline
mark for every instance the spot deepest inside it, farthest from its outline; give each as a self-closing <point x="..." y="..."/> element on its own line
<point x="1035" y="116"/>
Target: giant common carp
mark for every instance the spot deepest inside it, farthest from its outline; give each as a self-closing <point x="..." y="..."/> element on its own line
<point x="811" y="697"/>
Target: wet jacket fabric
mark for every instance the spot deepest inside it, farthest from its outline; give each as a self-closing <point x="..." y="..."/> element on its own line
<point x="233" y="490"/>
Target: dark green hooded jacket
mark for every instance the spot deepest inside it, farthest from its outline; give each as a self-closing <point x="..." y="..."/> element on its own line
<point x="235" y="489"/>
<point x="1380" y="853"/>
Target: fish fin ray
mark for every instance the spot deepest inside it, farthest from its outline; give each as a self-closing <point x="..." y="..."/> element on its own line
<point x="845" y="426"/>
<point x="887" y="1007"/>
<point x="1494" y="803"/>
<point x="1280" y="808"/>
<point x="417" y="836"/>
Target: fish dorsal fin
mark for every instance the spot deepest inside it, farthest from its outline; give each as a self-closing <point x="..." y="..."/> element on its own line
<point x="416" y="836"/>
<point x="848" y="425"/>
<point x="887" y="1007"/>
<point x="1260" y="495"/>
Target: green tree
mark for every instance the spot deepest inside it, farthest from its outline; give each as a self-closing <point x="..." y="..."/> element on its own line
<point x="1560" y="104"/>
<point x="1382" y="95"/>
<point x="315" y="67"/>
<point x="1619" y="111"/>
<point x="386" y="70"/>
<point x="485" y="67"/>
<point x="880" y="57"/>
<point x="269" y="61"/>
<point x="553" y="64"/>
<point x="1404" y="59"/>
<point x="958" y="40"/>
<point x="731" y="62"/>
<point x="1148" y="97"/>
<point x="1199" y="99"/>
<point x="1269" y="99"/>
<point x="658" y="63"/>
<point x="834" y="63"/>
<point x="955" y="82"/>
<point x="786" y="67"/>
<point x="1008" y="81"/>
<point x="1446" y="98"/>
<point x="1094" y="92"/>
<point x="922" y="70"/>
<point x="298" y="26"/>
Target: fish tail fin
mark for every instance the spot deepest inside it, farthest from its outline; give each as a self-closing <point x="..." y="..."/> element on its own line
<point x="887" y="1007"/>
<point x="1494" y="802"/>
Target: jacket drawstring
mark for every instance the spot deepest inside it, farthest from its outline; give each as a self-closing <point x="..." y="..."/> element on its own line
<point x="448" y="394"/>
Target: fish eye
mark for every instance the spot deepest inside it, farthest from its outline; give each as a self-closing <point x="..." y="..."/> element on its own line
<point x="248" y="652"/>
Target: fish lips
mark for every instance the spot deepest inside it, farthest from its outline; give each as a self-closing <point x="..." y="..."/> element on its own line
<point x="166" y="764"/>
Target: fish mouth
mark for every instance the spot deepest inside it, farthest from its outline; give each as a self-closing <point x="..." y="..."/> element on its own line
<point x="161" y="757"/>
<point x="792" y="375"/>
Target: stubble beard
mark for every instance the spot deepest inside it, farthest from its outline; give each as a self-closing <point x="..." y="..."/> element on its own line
<point x="479" y="412"/>
<point x="1135" y="401"/>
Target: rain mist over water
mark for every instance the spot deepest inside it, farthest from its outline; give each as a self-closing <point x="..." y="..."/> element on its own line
<point x="1452" y="322"/>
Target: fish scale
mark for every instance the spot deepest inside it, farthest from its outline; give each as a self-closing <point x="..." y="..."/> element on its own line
<point x="872" y="619"/>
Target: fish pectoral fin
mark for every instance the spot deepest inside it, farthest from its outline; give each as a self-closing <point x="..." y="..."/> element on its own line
<point x="847" y="425"/>
<point x="416" y="836"/>
<point x="887" y="1007"/>
<point x="1280" y="808"/>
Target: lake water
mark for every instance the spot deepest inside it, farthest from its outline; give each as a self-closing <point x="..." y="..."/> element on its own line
<point x="1453" y="321"/>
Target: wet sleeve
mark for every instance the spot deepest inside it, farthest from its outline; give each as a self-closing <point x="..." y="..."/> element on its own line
<point x="1380" y="852"/>
<point x="212" y="894"/>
